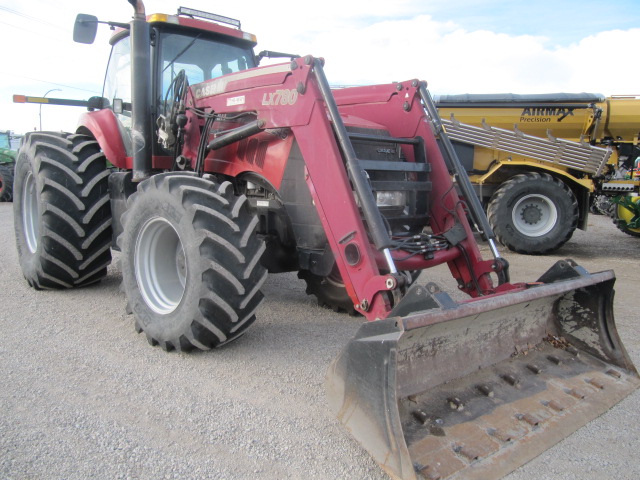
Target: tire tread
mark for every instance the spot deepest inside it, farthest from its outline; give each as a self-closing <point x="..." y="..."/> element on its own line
<point x="221" y="228"/>
<point x="75" y="225"/>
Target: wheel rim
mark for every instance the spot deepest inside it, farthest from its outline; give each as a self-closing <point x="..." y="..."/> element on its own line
<point x="160" y="265"/>
<point x="30" y="212"/>
<point x="534" y="215"/>
<point x="627" y="216"/>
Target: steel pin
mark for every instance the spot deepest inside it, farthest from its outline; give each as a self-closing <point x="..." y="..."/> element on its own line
<point x="422" y="417"/>
<point x="455" y="403"/>
<point x="573" y="351"/>
<point x="554" y="359"/>
<point x="485" y="390"/>
<point x="511" y="380"/>
<point x="534" y="368"/>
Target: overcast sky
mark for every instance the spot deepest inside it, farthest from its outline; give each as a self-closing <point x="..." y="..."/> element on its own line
<point x="461" y="46"/>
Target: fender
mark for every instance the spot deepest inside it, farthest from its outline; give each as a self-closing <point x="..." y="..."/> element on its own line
<point x="103" y="126"/>
<point x="569" y="179"/>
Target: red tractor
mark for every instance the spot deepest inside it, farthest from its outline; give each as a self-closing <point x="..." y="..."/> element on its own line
<point x="207" y="171"/>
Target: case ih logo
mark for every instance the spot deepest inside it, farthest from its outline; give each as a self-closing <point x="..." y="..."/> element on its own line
<point x="544" y="114"/>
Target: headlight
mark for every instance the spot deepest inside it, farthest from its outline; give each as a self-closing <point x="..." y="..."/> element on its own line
<point x="391" y="199"/>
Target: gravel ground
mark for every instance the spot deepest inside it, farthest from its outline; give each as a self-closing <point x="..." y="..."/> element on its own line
<point x="83" y="396"/>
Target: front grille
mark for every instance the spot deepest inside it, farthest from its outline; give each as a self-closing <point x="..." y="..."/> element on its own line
<point x="388" y="169"/>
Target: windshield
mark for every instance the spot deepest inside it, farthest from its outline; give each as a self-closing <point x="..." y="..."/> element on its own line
<point x="201" y="58"/>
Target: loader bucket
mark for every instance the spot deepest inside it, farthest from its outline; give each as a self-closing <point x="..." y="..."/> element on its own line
<point x="476" y="389"/>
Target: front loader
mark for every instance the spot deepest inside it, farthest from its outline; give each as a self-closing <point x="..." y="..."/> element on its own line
<point x="220" y="171"/>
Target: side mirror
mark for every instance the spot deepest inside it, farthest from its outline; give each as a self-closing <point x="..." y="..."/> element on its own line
<point x="85" y="28"/>
<point x="118" y="106"/>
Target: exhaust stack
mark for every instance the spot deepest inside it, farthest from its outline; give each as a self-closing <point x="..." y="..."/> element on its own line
<point x="141" y="131"/>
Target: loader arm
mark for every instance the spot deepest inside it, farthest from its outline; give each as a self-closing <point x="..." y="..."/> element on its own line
<point x="296" y="96"/>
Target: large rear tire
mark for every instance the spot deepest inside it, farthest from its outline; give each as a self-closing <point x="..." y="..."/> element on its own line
<point x="191" y="262"/>
<point x="62" y="215"/>
<point x="6" y="182"/>
<point x="533" y="213"/>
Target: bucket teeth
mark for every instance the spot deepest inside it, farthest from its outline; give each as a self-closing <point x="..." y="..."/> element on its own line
<point x="614" y="373"/>
<point x="466" y="423"/>
<point x="466" y="452"/>
<point x="501" y="435"/>
<point x="596" y="383"/>
<point x="554" y="405"/>
<point x="577" y="393"/>
<point x="532" y="420"/>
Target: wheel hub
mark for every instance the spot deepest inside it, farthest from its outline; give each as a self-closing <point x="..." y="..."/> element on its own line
<point x="531" y="214"/>
<point x="160" y="265"/>
<point x="534" y="215"/>
<point x="30" y="212"/>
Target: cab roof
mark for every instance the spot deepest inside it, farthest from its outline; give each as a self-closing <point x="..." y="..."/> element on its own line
<point x="203" y="21"/>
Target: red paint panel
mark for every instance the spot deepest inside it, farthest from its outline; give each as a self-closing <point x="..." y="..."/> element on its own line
<point x="103" y="125"/>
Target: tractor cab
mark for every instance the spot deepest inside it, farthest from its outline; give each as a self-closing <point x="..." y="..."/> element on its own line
<point x="187" y="48"/>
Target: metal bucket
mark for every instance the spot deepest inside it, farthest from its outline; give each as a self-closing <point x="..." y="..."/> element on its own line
<point x="477" y="389"/>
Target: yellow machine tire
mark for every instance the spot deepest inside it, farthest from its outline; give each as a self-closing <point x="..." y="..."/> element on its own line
<point x="533" y="213"/>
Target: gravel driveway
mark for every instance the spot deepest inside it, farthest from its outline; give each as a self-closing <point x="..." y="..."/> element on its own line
<point x="83" y="396"/>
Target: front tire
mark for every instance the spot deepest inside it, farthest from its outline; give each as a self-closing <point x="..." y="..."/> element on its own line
<point x="533" y="213"/>
<point x="62" y="215"/>
<point x="191" y="262"/>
